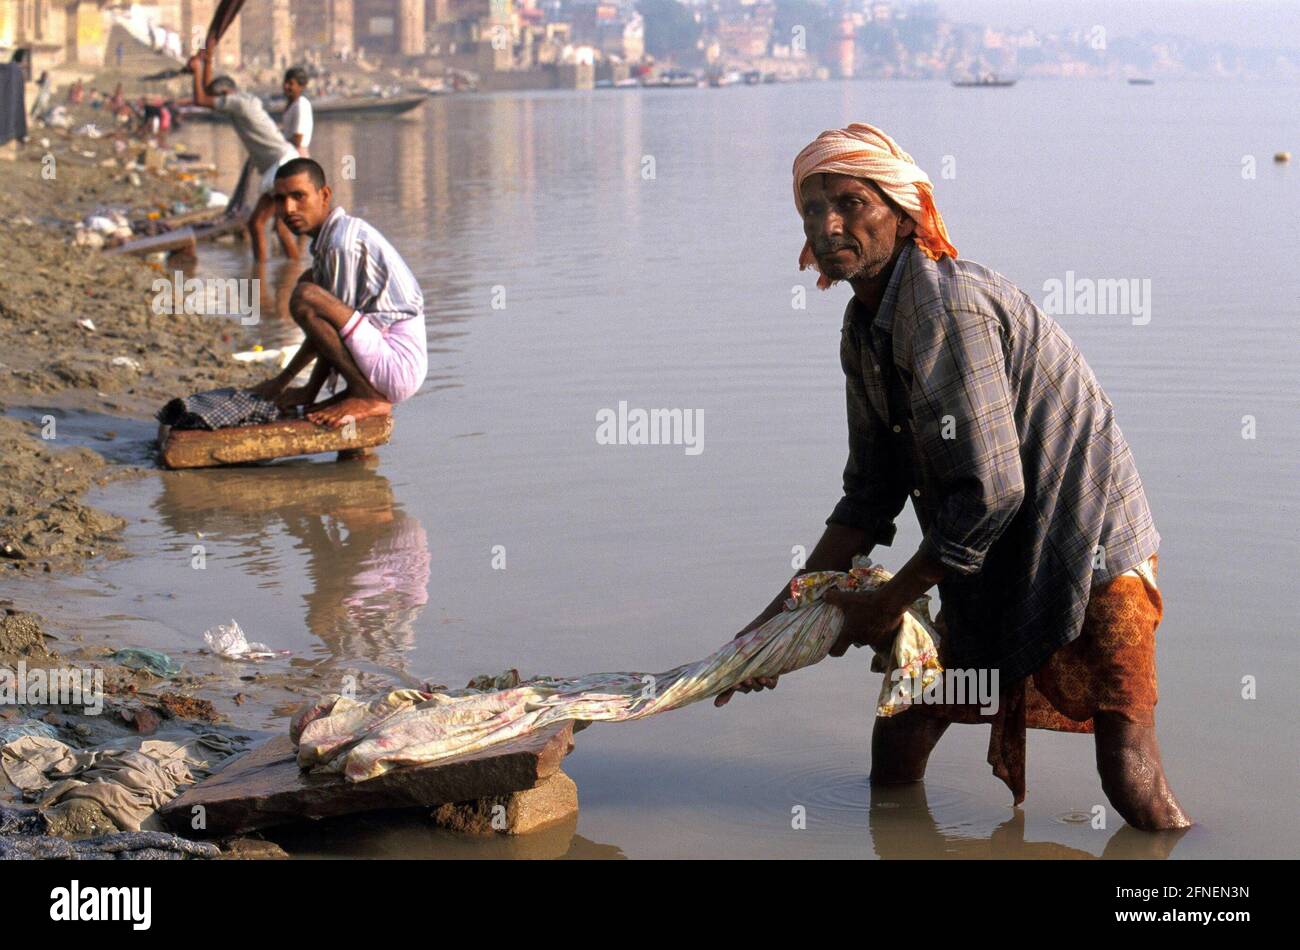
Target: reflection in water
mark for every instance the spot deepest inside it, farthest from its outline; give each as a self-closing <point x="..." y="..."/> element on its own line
<point x="367" y="558"/>
<point x="902" y="826"/>
<point x="410" y="834"/>
<point x="411" y="163"/>
<point x="369" y="566"/>
<point x="276" y="281"/>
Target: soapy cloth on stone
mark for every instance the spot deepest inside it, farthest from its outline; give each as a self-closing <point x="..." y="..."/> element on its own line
<point x="408" y="727"/>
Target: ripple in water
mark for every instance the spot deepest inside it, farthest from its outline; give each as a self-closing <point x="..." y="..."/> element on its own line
<point x="839" y="797"/>
<point x="1075" y="817"/>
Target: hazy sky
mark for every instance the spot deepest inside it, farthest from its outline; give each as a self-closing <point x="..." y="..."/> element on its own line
<point x="1239" y="22"/>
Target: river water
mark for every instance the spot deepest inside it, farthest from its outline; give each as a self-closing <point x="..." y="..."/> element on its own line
<point x="581" y="249"/>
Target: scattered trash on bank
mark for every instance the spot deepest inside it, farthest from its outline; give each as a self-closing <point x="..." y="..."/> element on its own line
<point x="28" y="727"/>
<point x="228" y="640"/>
<point x="155" y="661"/>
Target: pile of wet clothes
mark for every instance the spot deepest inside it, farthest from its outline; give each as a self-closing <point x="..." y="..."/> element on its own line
<point x="129" y="779"/>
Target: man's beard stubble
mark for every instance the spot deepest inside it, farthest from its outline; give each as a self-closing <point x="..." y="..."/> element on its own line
<point x="867" y="266"/>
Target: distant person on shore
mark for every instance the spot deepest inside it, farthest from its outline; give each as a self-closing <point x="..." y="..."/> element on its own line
<point x="44" y="93"/>
<point x="297" y="122"/>
<point x="359" y="306"/>
<point x="117" y="101"/>
<point x="156" y="119"/>
<point x="267" y="148"/>
<point x="966" y="399"/>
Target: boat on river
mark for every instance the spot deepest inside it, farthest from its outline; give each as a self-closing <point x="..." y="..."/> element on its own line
<point x="340" y="107"/>
<point x="987" y="81"/>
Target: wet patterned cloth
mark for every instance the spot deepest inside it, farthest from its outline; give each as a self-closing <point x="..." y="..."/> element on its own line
<point x="1110" y="667"/>
<point x="420" y="727"/>
<point x="218" y="409"/>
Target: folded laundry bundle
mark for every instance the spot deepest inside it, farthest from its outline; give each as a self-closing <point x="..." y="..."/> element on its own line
<point x="219" y="409"/>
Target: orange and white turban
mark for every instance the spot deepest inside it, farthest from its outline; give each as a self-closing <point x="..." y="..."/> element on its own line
<point x="863" y="151"/>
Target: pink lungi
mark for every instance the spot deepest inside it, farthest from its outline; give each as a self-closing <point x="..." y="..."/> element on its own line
<point x="393" y="358"/>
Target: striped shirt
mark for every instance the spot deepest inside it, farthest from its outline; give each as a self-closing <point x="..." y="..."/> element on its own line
<point x="356" y="264"/>
<point x="967" y="398"/>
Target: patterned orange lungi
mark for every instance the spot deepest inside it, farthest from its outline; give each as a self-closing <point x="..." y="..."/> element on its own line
<point x="1110" y="667"/>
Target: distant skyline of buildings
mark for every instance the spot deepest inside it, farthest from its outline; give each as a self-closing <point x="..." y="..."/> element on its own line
<point x="905" y="39"/>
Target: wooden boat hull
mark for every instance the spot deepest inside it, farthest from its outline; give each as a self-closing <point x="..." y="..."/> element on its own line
<point x="356" y="108"/>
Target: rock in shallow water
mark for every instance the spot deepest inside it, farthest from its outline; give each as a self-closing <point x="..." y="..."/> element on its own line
<point x="552" y="800"/>
<point x="265" y="787"/>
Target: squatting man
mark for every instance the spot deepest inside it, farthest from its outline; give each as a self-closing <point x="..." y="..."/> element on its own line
<point x="966" y="398"/>
<point x="359" y="307"/>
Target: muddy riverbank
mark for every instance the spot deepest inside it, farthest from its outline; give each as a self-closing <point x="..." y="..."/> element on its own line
<point x="78" y="331"/>
<point x="79" y="334"/>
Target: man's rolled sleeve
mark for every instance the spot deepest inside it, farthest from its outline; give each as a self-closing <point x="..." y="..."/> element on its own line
<point x="874" y="492"/>
<point x="964" y="416"/>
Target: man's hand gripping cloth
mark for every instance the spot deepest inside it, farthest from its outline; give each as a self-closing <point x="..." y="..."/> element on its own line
<point x="864" y="151"/>
<point x="418" y="727"/>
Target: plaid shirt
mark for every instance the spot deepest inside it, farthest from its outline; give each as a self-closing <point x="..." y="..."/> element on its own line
<point x="984" y="412"/>
<point x="218" y="409"/>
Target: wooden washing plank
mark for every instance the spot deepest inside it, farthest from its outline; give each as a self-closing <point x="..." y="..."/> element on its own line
<point x="187" y="236"/>
<point x="167" y="241"/>
<point x="200" y="448"/>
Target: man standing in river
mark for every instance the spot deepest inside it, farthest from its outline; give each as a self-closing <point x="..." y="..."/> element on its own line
<point x="297" y="122"/>
<point x="267" y="148"/>
<point x="965" y="397"/>
<point x="359" y="307"/>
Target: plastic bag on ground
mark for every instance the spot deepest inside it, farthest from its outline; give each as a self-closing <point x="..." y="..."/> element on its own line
<point x="228" y="640"/>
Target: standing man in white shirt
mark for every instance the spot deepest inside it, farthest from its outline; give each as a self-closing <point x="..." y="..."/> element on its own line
<point x="296" y="123"/>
